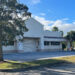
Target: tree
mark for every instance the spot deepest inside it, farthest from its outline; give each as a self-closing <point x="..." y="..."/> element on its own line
<point x="62" y="33"/>
<point x="12" y="21"/>
<point x="63" y="45"/>
<point x="55" y="29"/>
<point x="71" y="37"/>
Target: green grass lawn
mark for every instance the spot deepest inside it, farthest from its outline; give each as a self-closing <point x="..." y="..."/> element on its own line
<point x="17" y="65"/>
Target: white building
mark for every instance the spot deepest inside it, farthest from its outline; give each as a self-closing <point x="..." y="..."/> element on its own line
<point x="36" y="39"/>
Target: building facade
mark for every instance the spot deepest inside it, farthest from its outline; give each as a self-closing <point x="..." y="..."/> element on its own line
<point x="37" y="39"/>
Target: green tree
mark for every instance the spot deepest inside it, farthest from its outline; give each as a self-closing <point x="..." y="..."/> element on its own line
<point x="63" y="45"/>
<point x="71" y="37"/>
<point x="55" y="29"/>
<point x="62" y="33"/>
<point x="12" y="21"/>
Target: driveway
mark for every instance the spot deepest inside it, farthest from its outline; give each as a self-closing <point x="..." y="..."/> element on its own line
<point x="35" y="55"/>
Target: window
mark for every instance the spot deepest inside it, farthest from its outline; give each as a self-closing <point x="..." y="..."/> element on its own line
<point x="46" y="43"/>
<point x="55" y="43"/>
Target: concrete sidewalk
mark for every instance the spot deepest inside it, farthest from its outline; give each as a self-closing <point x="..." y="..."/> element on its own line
<point x="35" y="55"/>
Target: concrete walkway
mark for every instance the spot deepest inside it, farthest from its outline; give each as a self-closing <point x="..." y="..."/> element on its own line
<point x="35" y="55"/>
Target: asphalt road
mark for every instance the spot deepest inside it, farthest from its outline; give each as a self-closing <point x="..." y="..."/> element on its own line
<point x="35" y="55"/>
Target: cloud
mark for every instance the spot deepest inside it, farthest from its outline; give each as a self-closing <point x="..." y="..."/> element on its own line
<point x="30" y="2"/>
<point x="42" y="14"/>
<point x="65" y="19"/>
<point x="35" y="1"/>
<point x="62" y="24"/>
<point x="45" y="22"/>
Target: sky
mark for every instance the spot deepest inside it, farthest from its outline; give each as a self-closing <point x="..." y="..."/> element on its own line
<point x="59" y="13"/>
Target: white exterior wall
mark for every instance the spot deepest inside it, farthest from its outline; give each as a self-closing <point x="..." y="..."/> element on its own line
<point x="53" y="37"/>
<point x="53" y="47"/>
<point x="20" y="46"/>
<point x="9" y="49"/>
<point x="68" y="45"/>
<point x="36" y="31"/>
<point x="52" y="33"/>
<point x="41" y="44"/>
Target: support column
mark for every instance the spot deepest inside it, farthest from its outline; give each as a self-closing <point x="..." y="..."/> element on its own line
<point x="15" y="45"/>
<point x="68" y="46"/>
<point x="20" y="46"/>
<point x="42" y="44"/>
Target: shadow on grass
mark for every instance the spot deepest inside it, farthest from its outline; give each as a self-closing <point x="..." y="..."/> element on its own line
<point x="20" y="67"/>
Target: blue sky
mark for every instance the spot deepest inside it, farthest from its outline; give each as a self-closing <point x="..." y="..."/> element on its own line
<point x="60" y="13"/>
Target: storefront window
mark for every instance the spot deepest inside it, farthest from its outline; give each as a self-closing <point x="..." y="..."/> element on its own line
<point x="46" y="43"/>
